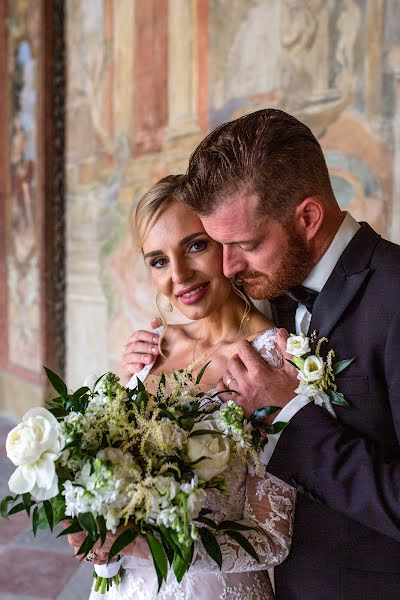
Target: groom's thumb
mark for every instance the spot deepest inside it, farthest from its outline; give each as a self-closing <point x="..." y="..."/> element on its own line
<point x="281" y="341"/>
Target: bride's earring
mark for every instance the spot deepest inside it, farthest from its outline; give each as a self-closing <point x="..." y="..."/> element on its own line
<point x="170" y="308"/>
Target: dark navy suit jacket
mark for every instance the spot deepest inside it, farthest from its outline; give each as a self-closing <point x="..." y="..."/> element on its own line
<point x="346" y="543"/>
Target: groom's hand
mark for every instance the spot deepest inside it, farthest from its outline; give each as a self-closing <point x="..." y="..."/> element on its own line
<point x="255" y="382"/>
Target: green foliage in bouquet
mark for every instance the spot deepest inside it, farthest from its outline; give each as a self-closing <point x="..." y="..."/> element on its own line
<point x="105" y="456"/>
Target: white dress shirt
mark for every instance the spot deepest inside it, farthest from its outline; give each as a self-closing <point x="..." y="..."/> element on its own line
<point x="315" y="281"/>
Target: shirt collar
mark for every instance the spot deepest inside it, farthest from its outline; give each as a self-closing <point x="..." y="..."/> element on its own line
<point x="322" y="270"/>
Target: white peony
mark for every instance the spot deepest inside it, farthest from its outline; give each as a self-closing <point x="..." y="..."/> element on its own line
<point x="216" y="449"/>
<point x="33" y="446"/>
<point x="313" y="369"/>
<point x="297" y="345"/>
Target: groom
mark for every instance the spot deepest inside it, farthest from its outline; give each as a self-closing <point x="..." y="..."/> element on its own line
<point x="262" y="189"/>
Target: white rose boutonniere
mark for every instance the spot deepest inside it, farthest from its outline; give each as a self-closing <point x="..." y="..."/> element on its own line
<point x="315" y="373"/>
<point x="213" y="447"/>
<point x="33" y="446"/>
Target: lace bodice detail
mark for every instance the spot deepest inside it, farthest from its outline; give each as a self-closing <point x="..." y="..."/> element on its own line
<point x="264" y="503"/>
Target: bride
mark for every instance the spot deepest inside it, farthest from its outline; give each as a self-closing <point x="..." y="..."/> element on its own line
<point x="186" y="267"/>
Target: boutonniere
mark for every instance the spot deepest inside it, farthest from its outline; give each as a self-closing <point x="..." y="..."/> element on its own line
<point x="317" y="373"/>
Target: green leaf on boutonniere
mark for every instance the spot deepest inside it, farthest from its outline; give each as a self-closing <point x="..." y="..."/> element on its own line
<point x="276" y="427"/>
<point x="244" y="542"/>
<point x="337" y="398"/>
<point x="262" y="413"/>
<point x="57" y="383"/>
<point x="211" y="545"/>
<point x="159" y="558"/>
<point x="126" y="537"/>
<point x="341" y="365"/>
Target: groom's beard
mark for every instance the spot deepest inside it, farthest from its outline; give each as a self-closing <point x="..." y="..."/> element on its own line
<point x="290" y="269"/>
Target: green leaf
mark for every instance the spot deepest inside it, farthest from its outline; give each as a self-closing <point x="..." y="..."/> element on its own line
<point x="337" y="398"/>
<point x="26" y="499"/>
<point x="48" y="509"/>
<point x="341" y="365"/>
<point x="16" y="509"/>
<point x="277" y="427"/>
<point x="195" y="462"/>
<point x="262" y="413"/>
<point x="87" y="521"/>
<point x="101" y="522"/>
<point x="57" y="383"/>
<point x="182" y="561"/>
<point x="4" y="505"/>
<point x="159" y="558"/>
<point x="58" y="505"/>
<point x="211" y="545"/>
<point x="73" y="528"/>
<point x="201" y="373"/>
<point x="293" y="364"/>
<point x="35" y="520"/>
<point x="126" y="537"/>
<point x="244" y="542"/>
<point x="206" y="521"/>
<point x="198" y="432"/>
<point x="142" y="399"/>
<point x="140" y="386"/>
<point x="235" y="526"/>
<point x="86" y="546"/>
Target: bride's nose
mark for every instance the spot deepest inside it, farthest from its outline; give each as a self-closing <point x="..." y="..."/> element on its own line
<point x="181" y="271"/>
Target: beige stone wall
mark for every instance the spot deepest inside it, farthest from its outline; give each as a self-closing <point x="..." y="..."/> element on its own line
<point x="148" y="78"/>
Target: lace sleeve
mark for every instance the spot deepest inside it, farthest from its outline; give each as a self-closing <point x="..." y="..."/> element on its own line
<point x="267" y="348"/>
<point x="269" y="510"/>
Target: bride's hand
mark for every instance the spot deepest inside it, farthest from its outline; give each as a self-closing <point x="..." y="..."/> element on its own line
<point x="138" y="548"/>
<point x="141" y="349"/>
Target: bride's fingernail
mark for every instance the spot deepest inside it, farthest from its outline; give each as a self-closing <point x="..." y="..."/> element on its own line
<point x="154" y="350"/>
<point x="155" y="339"/>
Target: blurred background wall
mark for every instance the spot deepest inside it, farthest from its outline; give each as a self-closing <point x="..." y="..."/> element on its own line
<point x="146" y="80"/>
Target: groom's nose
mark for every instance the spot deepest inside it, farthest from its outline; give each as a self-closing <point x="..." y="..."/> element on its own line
<point x="233" y="262"/>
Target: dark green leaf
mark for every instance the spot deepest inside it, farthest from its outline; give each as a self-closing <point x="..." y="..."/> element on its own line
<point x="87" y="521"/>
<point x="58" y="505"/>
<point x="201" y="373"/>
<point x="292" y="363"/>
<point x="198" y="432"/>
<point x="73" y="528"/>
<point x="277" y="427"/>
<point x="262" y="413"/>
<point x="341" y="365"/>
<point x="26" y="499"/>
<point x="206" y="521"/>
<point x="142" y="399"/>
<point x="244" y="542"/>
<point x="169" y="541"/>
<point x="140" y="386"/>
<point x="195" y="462"/>
<point x="56" y="382"/>
<point x="4" y="505"/>
<point x="35" y="520"/>
<point x="182" y="561"/>
<point x="126" y="537"/>
<point x="211" y="545"/>
<point x="206" y="511"/>
<point x="48" y="509"/>
<point x="159" y="558"/>
<point x="16" y="509"/>
<point x="337" y="398"/>
<point x="102" y="528"/>
<point x="235" y="526"/>
<point x="86" y="546"/>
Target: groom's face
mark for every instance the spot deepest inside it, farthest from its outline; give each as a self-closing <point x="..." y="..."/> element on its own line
<point x="268" y="257"/>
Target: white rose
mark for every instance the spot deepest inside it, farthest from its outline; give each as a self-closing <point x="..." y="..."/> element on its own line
<point x="297" y="345"/>
<point x="33" y="446"/>
<point x="216" y="449"/>
<point x="90" y="381"/>
<point x="313" y="369"/>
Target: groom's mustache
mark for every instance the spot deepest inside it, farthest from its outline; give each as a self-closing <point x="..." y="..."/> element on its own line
<point x="249" y="275"/>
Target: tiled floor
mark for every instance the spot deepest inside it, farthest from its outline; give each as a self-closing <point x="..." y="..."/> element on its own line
<point x="35" y="569"/>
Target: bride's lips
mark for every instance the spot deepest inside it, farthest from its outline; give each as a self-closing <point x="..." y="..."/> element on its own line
<point x="194" y="293"/>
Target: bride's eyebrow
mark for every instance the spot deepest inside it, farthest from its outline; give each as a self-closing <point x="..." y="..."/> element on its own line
<point x="185" y="240"/>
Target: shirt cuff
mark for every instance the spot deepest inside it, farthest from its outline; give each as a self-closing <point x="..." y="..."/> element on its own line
<point x="286" y="414"/>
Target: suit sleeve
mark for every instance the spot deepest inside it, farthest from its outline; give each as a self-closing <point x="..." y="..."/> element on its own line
<point x="332" y="463"/>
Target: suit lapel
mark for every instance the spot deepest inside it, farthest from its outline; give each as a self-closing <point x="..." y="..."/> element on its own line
<point x="284" y="311"/>
<point x="349" y="274"/>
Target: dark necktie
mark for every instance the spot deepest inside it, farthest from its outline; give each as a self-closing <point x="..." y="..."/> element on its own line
<point x="304" y="296"/>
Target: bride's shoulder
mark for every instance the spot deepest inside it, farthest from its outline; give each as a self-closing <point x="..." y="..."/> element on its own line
<point x="260" y="325"/>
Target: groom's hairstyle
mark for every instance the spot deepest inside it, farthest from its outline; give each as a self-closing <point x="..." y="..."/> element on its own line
<point x="268" y="153"/>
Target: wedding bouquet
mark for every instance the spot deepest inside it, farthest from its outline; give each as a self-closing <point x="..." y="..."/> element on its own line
<point x="106" y="455"/>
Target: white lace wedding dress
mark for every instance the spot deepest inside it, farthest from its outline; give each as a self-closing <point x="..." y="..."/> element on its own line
<point x="264" y="503"/>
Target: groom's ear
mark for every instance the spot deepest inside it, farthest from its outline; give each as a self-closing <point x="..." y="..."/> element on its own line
<point x="309" y="216"/>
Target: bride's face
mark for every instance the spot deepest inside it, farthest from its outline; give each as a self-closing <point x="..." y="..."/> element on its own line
<point x="185" y="263"/>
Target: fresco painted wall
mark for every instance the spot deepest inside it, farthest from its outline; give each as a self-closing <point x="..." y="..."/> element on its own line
<point x="148" y="79"/>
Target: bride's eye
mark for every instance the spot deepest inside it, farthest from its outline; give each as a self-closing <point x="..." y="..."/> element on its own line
<point x="198" y="246"/>
<point x="158" y="263"/>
